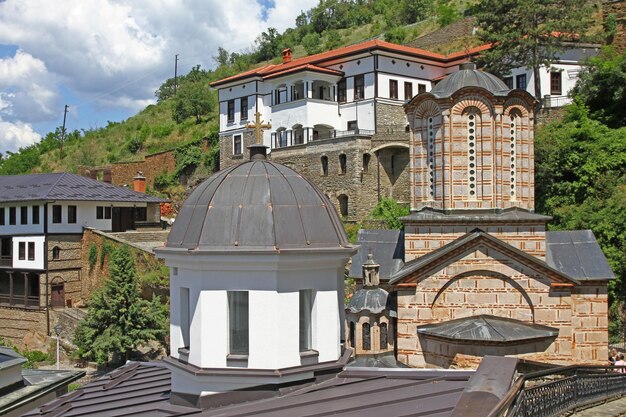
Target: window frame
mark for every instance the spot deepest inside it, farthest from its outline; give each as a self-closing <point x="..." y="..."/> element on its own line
<point x="56" y="253"/>
<point x="238" y="324"/>
<point x="57" y="214"/>
<point x="23" y="215"/>
<point x="107" y="212"/>
<point x="12" y="216"/>
<point x="305" y="323"/>
<point x="421" y="88"/>
<point x="393" y="89"/>
<point x="230" y="111"/>
<point x="359" y="87"/>
<point x="556" y="87"/>
<point x="243" y="108"/>
<point x="99" y="213"/>
<point x="35" y="214"/>
<point x="72" y="214"/>
<point x="238" y="144"/>
<point x="408" y="90"/>
<point x="21" y="251"/>
<point x="342" y="91"/>
<point x="520" y="77"/>
<point x="31" y="251"/>
<point x="2" y="216"/>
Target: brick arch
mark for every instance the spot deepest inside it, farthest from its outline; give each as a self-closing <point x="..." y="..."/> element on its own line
<point x="464" y="103"/>
<point x="487" y="273"/>
<point x="516" y="103"/>
<point x="427" y="109"/>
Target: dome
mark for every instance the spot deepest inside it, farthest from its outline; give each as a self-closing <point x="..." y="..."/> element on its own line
<point x="373" y="300"/>
<point x="469" y="76"/>
<point x="257" y="205"/>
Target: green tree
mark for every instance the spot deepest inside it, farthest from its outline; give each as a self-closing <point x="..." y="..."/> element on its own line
<point x="390" y="211"/>
<point x="395" y="34"/>
<point x="528" y="32"/>
<point x="119" y="320"/>
<point x="312" y="43"/>
<point x="194" y="97"/>
<point x="602" y="87"/>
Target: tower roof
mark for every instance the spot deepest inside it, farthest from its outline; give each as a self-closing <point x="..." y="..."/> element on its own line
<point x="257" y="205"/>
<point x="469" y="76"/>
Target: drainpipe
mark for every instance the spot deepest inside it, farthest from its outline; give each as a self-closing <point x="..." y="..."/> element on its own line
<point x="45" y="260"/>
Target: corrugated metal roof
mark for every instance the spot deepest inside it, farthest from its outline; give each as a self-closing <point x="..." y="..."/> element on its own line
<point x="387" y="246"/>
<point x="66" y="187"/>
<point x="488" y="329"/>
<point x="469" y="76"/>
<point x="373" y="300"/>
<point x="134" y="389"/>
<point x="577" y="254"/>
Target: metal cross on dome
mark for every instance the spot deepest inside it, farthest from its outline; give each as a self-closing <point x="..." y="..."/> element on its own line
<point x="258" y="127"/>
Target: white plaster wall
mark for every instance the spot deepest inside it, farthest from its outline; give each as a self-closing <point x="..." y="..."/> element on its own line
<point x="361" y="111"/>
<point x="308" y="113"/>
<point x="38" y="262"/>
<point x="413" y="71"/>
<point x="353" y="67"/>
<point x="383" y="85"/>
<point x="569" y="77"/>
<point x="85" y="216"/>
<point x="237" y="91"/>
<point x="22" y="229"/>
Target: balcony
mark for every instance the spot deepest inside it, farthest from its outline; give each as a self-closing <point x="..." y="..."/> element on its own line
<point x="288" y="138"/>
<point x="19" y="301"/>
<point x="6" y="262"/>
<point x="548" y="102"/>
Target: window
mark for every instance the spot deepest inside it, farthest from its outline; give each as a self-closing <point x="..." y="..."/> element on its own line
<point x="107" y="213"/>
<point x="12" y="215"/>
<point x="56" y="253"/>
<point x="244" y="108"/>
<point x="2" y="214"/>
<point x="21" y="251"/>
<point x="421" y="88"/>
<point x="520" y="81"/>
<point x="343" y="161"/>
<point x="359" y="87"/>
<point x="367" y="342"/>
<point x="141" y="214"/>
<point x="238" y="322"/>
<point x="24" y="215"/>
<point x="352" y="125"/>
<point x="35" y="212"/>
<point x="237" y="148"/>
<point x="231" y="111"/>
<point x="383" y="336"/>
<point x="352" y="334"/>
<point x="324" y="160"/>
<point x="343" y="204"/>
<point x="99" y="212"/>
<point x="185" y="323"/>
<point x="6" y="248"/>
<point x="555" y="83"/>
<point x="393" y="89"/>
<point x="408" y="90"/>
<point x="341" y="91"/>
<point x="366" y="162"/>
<point x="71" y="214"/>
<point x="31" y="251"/>
<point x="473" y="126"/>
<point x="509" y="82"/>
<point x="431" y="157"/>
<point x="306" y="308"/>
<point x="56" y="214"/>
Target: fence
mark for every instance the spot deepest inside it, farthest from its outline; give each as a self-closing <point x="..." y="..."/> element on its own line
<point x="559" y="390"/>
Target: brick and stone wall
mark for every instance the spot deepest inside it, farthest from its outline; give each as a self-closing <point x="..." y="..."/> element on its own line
<point x="67" y="269"/>
<point x="494" y="285"/>
<point x="17" y="323"/>
<point x="422" y="239"/>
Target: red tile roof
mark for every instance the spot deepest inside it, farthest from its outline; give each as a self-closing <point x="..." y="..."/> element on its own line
<point x="314" y="61"/>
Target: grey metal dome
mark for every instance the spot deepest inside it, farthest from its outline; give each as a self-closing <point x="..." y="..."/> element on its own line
<point x="373" y="300"/>
<point x="257" y="205"/>
<point x="469" y="76"/>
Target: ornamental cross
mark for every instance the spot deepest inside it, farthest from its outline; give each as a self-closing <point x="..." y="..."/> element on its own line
<point x="258" y="126"/>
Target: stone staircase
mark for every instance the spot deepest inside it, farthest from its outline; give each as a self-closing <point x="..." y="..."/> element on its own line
<point x="68" y="318"/>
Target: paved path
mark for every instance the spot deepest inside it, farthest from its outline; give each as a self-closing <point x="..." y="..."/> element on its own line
<point x="611" y="409"/>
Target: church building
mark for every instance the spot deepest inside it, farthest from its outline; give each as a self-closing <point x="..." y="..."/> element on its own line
<point x="482" y="275"/>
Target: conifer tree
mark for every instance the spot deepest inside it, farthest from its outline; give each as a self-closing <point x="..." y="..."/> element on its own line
<point x="529" y="32"/>
<point x="119" y="320"/>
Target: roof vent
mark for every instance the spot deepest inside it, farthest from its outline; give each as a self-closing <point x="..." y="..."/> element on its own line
<point x="287" y="54"/>
<point x="467" y="66"/>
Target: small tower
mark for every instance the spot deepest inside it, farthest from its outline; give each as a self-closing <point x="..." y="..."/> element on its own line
<point x="256" y="259"/>
<point x="370" y="327"/>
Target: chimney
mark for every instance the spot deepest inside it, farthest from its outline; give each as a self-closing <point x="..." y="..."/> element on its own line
<point x="139" y="183"/>
<point x="106" y="175"/>
<point x="371" y="273"/>
<point x="287" y="54"/>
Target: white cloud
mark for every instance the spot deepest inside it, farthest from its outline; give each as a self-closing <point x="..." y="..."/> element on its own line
<point x="117" y="52"/>
<point x="16" y="135"/>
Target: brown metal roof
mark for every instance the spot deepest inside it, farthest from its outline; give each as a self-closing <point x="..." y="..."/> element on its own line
<point x="63" y="186"/>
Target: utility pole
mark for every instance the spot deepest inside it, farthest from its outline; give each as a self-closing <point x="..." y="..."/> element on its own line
<point x="175" y="72"/>
<point x="63" y="129"/>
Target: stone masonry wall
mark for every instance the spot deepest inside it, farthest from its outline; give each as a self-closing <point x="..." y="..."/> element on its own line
<point x="67" y="269"/>
<point x="505" y="289"/>
<point x="226" y="149"/>
<point x="17" y="323"/>
<point x="420" y="240"/>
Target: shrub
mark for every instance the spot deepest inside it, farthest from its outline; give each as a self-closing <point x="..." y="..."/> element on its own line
<point x="92" y="255"/>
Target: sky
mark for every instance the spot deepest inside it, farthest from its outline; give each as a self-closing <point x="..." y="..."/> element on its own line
<point x="106" y="58"/>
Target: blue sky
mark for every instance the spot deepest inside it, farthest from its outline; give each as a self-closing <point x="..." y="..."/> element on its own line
<point x="105" y="58"/>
